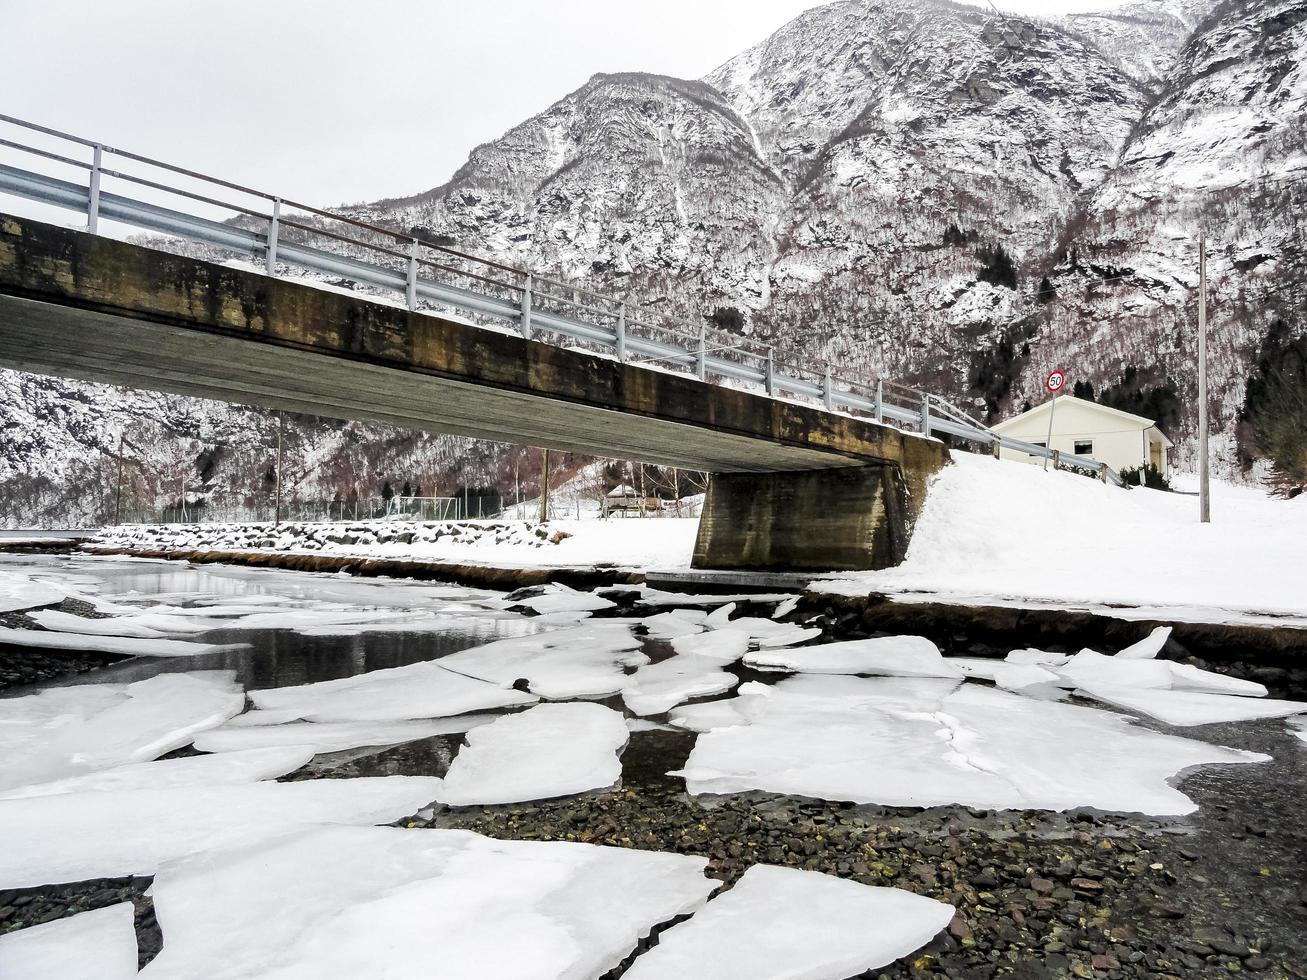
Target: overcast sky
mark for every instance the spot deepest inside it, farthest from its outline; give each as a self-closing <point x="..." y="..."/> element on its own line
<point x="331" y="101"/>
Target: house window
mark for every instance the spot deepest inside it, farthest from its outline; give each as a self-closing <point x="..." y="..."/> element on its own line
<point x="1085" y="447"/>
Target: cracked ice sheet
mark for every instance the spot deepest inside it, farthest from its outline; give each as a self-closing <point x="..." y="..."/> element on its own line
<point x="544" y="752"/>
<point x="1184" y="709"/>
<point x="558" y="598"/>
<point x="70" y="731"/>
<point x="76" y="836"/>
<point x="587" y="661"/>
<point x="1030" y="678"/>
<point x="128" y="646"/>
<point x="892" y="656"/>
<point x="201" y="770"/>
<point x="95" y="945"/>
<point x="416" y="691"/>
<point x="657" y="688"/>
<point x="384" y="902"/>
<point x="18" y="591"/>
<point x="720" y="647"/>
<point x="860" y="740"/>
<point x="318" y="737"/>
<point x="786" y="924"/>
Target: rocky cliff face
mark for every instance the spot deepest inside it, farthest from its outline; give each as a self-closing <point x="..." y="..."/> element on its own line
<point x="933" y="192"/>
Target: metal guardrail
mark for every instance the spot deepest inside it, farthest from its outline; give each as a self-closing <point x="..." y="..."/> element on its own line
<point x="281" y="234"/>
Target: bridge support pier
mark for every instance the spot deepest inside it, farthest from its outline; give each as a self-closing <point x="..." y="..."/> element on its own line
<point x="847" y="519"/>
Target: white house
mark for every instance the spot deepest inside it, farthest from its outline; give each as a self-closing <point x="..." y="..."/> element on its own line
<point x="1085" y="428"/>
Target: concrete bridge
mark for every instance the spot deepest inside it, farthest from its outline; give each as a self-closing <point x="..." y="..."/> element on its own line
<point x="794" y="486"/>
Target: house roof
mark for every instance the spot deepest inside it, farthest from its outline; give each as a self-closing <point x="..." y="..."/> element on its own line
<point x="1043" y="408"/>
<point x="622" y="490"/>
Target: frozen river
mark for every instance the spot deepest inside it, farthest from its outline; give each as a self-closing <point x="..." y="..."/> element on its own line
<point x="1012" y="816"/>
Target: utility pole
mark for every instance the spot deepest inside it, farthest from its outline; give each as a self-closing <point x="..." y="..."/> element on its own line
<point x="544" y="489"/>
<point x="1204" y="489"/>
<point x="277" y="512"/>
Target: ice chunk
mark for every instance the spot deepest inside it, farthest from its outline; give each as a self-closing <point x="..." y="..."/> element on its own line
<point x="1009" y="676"/>
<point x="332" y="736"/>
<point x="720" y="647"/>
<point x="546" y="751"/>
<point x="53" y="619"/>
<point x="421" y="690"/>
<point x="558" y="598"/>
<point x="1149" y="647"/>
<point x="1185" y="677"/>
<point x="344" y="903"/>
<point x="707" y="716"/>
<point x="678" y="622"/>
<point x="768" y="632"/>
<point x="787" y="924"/>
<point x="95" y="945"/>
<point x="125" y="645"/>
<point x="199" y="770"/>
<point x="303" y="619"/>
<point x="1088" y="668"/>
<point x="73" y="837"/>
<point x="1186" y="708"/>
<point x="894" y="656"/>
<point x="720" y="618"/>
<point x="1039" y="658"/>
<point x="586" y="661"/>
<point x="861" y="740"/>
<point x="18" y="591"/>
<point x="657" y="688"/>
<point x="71" y="731"/>
<point x="785" y="607"/>
<point x="1298" y="726"/>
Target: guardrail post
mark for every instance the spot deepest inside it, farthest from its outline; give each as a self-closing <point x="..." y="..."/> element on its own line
<point x="411" y="294"/>
<point x="996" y="447"/>
<point x="526" y="309"/>
<point x="701" y="362"/>
<point x="1102" y="473"/>
<point x="1057" y="459"/>
<point x="769" y="378"/>
<point x="93" y="205"/>
<point x="274" y="231"/>
<point x="925" y="415"/>
<point x="621" y="333"/>
<point x="880" y="400"/>
<point x="826" y="395"/>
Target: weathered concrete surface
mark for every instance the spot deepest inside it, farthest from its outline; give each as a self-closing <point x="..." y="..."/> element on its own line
<point x="81" y="306"/>
<point x="822" y="520"/>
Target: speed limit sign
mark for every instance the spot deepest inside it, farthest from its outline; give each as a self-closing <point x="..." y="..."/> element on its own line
<point x="1056" y="381"/>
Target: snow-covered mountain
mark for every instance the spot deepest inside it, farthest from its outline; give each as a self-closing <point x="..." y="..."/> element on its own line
<point x="934" y="192"/>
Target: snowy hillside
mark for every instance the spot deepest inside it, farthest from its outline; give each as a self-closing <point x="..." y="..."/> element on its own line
<point x="928" y="191"/>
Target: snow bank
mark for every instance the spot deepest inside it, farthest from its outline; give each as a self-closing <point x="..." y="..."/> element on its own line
<point x="634" y="543"/>
<point x="1004" y="529"/>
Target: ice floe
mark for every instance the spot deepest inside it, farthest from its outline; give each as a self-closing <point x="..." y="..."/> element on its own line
<point x="19" y="591"/>
<point x="343" y="903"/>
<point x="677" y="622"/>
<point x="1187" y="708"/>
<point x="62" y="622"/>
<point x="656" y="688"/>
<point x="763" y="632"/>
<point x="588" y="661"/>
<point x="892" y="741"/>
<point x="421" y="690"/>
<point x="558" y="598"/>
<point x="546" y="751"/>
<point x="248" y="766"/>
<point x="128" y="646"/>
<point x="721" y="647"/>
<point x="1088" y="669"/>
<point x="73" y="837"/>
<point x="1038" y="658"/>
<point x="71" y="731"/>
<point x="786" y="924"/>
<point x="95" y="945"/>
<point x="1297" y="726"/>
<point x="891" y="656"/>
<point x="331" y="736"/>
<point x="1028" y="678"/>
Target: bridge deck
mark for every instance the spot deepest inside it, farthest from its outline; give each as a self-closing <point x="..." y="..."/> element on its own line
<point x="86" y="307"/>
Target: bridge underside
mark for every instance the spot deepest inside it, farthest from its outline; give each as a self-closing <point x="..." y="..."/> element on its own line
<point x="94" y="309"/>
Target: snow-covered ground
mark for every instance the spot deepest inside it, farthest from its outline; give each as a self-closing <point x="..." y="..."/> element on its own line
<point x="1005" y="531"/>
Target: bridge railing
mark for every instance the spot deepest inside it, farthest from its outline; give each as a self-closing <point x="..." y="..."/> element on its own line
<point x="224" y="221"/>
